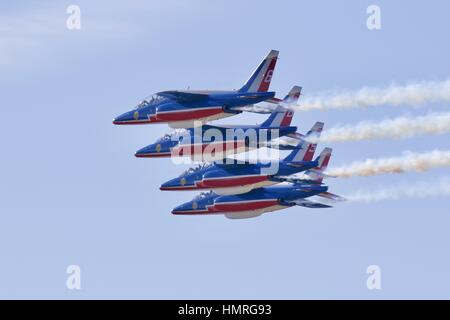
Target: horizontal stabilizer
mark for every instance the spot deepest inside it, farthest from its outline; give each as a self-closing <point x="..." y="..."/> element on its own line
<point x="309" y="204"/>
<point x="317" y="173"/>
<point x="331" y="196"/>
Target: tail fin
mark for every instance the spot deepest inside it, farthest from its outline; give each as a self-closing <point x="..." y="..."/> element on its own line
<point x="323" y="159"/>
<point x="261" y="77"/>
<point x="293" y="95"/>
<point x="304" y="151"/>
<point x="315" y="130"/>
<point x="278" y="119"/>
<point x="284" y="118"/>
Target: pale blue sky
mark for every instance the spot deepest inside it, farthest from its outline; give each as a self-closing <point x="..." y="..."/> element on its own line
<point x="73" y="193"/>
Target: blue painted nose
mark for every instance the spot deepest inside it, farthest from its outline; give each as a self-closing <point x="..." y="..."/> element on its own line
<point x="183" y="209"/>
<point x="144" y="152"/>
<point x="136" y="116"/>
<point x="127" y="118"/>
<point x="155" y="150"/>
<point x="172" y="184"/>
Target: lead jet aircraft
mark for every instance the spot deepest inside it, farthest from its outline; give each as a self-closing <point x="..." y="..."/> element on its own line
<point x="210" y="143"/>
<point x="188" y="108"/>
<point x="242" y="177"/>
<point x="262" y="200"/>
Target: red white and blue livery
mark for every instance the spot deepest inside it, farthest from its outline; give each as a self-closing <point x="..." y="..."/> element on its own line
<point x="235" y="178"/>
<point x="262" y="200"/>
<point x="266" y="199"/>
<point x="210" y="143"/>
<point x="189" y="108"/>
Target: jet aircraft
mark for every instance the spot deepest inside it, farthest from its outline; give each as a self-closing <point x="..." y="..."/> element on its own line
<point x="262" y="200"/>
<point x="236" y="178"/>
<point x="210" y="143"/>
<point x="189" y="108"/>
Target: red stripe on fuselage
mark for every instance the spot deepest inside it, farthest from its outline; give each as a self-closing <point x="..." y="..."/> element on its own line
<point x="230" y="181"/>
<point x="191" y="212"/>
<point x="153" y="155"/>
<point x="244" y="206"/>
<point x="188" y="114"/>
<point x="132" y="122"/>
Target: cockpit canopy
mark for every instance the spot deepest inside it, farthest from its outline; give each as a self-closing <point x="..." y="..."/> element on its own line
<point x="197" y="168"/>
<point x="204" y="195"/>
<point x="174" y="135"/>
<point x="150" y="100"/>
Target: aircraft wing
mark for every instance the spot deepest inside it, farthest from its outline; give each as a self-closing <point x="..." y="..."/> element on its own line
<point x="318" y="173"/>
<point x="331" y="196"/>
<point x="309" y="204"/>
<point x="184" y="96"/>
<point x="297" y="178"/>
<point x="288" y="142"/>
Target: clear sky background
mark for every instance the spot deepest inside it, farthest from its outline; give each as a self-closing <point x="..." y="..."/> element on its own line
<point x="73" y="193"/>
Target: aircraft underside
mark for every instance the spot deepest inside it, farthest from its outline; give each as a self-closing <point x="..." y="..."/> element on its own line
<point x="243" y="189"/>
<point x="197" y="118"/>
<point x="252" y="213"/>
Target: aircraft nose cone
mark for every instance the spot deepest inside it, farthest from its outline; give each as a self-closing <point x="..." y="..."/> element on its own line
<point x="184" y="208"/>
<point x="177" y="210"/>
<point x="164" y="186"/>
<point x="144" y="152"/>
<point x="169" y="185"/>
<point x="120" y="119"/>
<point x="180" y="183"/>
<point x="156" y="150"/>
<point x="126" y="118"/>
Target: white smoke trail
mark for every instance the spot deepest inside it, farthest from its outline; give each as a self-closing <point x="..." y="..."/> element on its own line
<point x="409" y="161"/>
<point x="265" y="107"/>
<point x="418" y="190"/>
<point x="413" y="94"/>
<point x="401" y="127"/>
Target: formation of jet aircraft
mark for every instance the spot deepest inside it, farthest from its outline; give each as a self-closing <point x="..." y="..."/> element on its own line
<point x="237" y="189"/>
<point x="230" y="139"/>
<point x="243" y="177"/>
